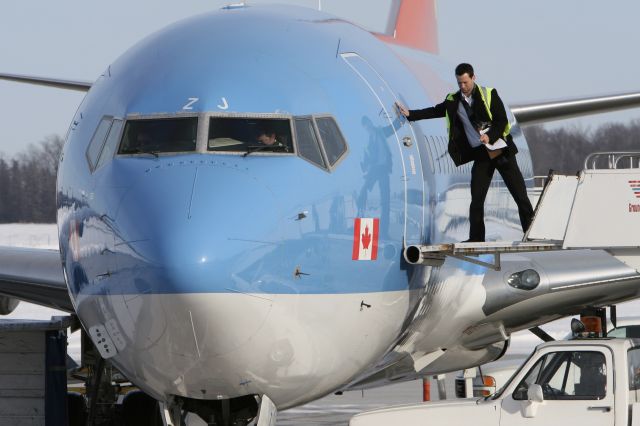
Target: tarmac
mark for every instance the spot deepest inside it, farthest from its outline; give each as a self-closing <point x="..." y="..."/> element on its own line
<point x="338" y="409"/>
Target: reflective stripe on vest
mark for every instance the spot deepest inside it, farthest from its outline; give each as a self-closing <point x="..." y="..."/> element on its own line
<point x="485" y="94"/>
<point x="446" y="115"/>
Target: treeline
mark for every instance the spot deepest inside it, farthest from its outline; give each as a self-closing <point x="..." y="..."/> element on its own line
<point x="28" y="183"/>
<point x="28" y="180"/>
<point x="565" y="149"/>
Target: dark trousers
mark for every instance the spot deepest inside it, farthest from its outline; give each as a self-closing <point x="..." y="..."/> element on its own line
<point x="481" y="174"/>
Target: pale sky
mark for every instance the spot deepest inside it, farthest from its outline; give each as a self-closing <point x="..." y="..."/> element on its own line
<point x="529" y="51"/>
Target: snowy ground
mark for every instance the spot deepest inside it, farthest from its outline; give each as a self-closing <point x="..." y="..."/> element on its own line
<point x="29" y="235"/>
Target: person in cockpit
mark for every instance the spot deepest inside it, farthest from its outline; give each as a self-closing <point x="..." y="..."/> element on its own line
<point x="269" y="138"/>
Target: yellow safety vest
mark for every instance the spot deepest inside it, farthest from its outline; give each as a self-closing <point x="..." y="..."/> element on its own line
<point x="485" y="94"/>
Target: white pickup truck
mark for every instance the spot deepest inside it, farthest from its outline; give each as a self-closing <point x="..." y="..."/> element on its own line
<point x="584" y="382"/>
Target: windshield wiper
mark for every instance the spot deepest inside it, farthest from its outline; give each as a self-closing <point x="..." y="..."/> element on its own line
<point x="141" y="151"/>
<point x="273" y="148"/>
<point x="255" y="148"/>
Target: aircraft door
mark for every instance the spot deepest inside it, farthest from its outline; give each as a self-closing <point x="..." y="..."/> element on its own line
<point x="406" y="144"/>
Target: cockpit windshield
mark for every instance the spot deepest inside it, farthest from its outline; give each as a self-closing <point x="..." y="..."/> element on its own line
<point x="234" y="134"/>
<point x="315" y="138"/>
<point x="154" y="136"/>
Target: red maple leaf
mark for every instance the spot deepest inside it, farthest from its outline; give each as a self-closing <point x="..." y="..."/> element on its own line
<point x="366" y="238"/>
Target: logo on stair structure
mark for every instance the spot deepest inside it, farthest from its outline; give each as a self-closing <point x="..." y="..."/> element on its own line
<point x="635" y="187"/>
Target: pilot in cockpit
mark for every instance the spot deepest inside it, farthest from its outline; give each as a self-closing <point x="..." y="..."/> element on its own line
<point x="269" y="138"/>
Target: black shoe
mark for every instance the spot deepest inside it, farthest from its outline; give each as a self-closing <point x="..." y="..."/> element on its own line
<point x="472" y="241"/>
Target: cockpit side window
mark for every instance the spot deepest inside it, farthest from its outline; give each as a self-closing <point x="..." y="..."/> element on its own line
<point x="97" y="141"/>
<point x="111" y="144"/>
<point x="248" y="135"/>
<point x="159" y="135"/>
<point x="308" y="147"/>
<point x="332" y="139"/>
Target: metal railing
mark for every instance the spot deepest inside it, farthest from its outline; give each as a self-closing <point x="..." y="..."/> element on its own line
<point x="613" y="160"/>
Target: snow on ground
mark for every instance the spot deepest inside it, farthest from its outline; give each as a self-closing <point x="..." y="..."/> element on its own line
<point x="37" y="235"/>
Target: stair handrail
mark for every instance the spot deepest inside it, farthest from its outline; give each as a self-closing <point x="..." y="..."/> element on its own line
<point x="613" y="159"/>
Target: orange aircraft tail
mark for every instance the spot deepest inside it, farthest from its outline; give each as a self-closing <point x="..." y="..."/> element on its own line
<point x="412" y="23"/>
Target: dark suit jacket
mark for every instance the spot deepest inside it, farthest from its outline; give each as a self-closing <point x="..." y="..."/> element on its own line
<point x="459" y="149"/>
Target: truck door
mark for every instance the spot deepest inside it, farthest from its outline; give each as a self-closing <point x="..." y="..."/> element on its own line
<point x="406" y="143"/>
<point x="577" y="386"/>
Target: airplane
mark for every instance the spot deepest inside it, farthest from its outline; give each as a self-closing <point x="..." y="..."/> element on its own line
<point x="229" y="277"/>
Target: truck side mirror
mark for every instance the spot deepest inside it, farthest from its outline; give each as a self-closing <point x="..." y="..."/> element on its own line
<point x="535" y="394"/>
<point x="535" y="397"/>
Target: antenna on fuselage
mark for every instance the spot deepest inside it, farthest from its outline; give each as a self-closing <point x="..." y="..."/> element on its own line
<point x="239" y="5"/>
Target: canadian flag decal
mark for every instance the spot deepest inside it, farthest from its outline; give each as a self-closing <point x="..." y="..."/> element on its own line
<point x="365" y="238"/>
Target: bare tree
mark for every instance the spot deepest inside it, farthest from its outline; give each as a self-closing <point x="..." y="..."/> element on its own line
<point x="29" y="183"/>
<point x="565" y="149"/>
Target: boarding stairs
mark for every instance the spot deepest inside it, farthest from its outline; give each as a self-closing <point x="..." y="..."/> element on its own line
<point x="597" y="209"/>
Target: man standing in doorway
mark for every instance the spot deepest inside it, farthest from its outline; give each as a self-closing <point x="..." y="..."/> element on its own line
<point x="479" y="132"/>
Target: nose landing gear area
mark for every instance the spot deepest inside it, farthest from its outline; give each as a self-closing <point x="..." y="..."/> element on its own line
<point x="108" y="406"/>
<point x="239" y="411"/>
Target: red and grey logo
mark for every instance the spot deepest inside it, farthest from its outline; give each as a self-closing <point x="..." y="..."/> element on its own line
<point x="635" y="187"/>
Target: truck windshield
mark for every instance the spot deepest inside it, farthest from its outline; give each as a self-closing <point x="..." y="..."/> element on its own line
<point x="632" y="331"/>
